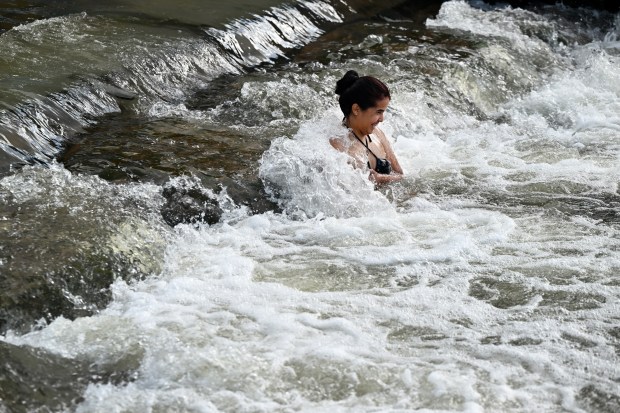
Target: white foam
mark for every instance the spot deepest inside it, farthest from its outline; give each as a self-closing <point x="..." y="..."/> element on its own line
<point x="506" y="23"/>
<point x="206" y="325"/>
<point x="308" y="177"/>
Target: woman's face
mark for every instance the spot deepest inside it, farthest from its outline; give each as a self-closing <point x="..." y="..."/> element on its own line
<point x="365" y="121"/>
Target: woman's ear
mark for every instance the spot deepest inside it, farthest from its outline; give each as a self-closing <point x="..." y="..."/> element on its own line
<point x="356" y="109"/>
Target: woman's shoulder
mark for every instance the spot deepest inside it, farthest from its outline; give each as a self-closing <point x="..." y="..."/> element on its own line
<point x="341" y="141"/>
<point x="379" y="134"/>
<point x="336" y="142"/>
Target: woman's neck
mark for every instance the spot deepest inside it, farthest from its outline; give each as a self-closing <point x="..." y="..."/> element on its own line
<point x="353" y="129"/>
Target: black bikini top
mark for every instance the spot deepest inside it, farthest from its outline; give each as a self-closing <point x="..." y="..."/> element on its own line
<point x="382" y="166"/>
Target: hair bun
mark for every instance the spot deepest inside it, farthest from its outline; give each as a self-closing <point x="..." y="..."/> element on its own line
<point x="346" y="82"/>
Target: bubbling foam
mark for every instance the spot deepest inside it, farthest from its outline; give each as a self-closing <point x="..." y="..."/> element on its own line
<point x="231" y="323"/>
<point x="308" y="178"/>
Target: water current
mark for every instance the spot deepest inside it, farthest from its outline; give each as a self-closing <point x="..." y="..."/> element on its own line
<point x="177" y="234"/>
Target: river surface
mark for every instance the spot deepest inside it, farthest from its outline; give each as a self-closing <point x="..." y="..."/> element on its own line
<point x="177" y="234"/>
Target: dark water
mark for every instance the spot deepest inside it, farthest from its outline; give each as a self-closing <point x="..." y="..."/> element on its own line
<point x="174" y="236"/>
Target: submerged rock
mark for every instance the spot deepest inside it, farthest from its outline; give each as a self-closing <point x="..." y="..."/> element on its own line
<point x="33" y="379"/>
<point x="189" y="204"/>
<point x="65" y="239"/>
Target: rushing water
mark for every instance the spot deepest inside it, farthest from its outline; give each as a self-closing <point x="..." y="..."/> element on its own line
<point x="177" y="234"/>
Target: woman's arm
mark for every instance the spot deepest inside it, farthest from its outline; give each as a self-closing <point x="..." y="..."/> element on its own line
<point x="397" y="170"/>
<point x="384" y="179"/>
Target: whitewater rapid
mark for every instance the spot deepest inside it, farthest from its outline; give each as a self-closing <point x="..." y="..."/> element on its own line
<point x="486" y="281"/>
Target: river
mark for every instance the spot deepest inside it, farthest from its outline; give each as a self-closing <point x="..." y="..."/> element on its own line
<point x="178" y="235"/>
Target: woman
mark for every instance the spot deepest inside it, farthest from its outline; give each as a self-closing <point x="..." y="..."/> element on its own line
<point x="363" y="101"/>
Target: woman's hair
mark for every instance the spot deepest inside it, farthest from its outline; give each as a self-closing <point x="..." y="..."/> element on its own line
<point x="366" y="91"/>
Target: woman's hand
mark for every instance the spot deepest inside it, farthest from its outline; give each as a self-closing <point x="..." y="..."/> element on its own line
<point x="378" y="178"/>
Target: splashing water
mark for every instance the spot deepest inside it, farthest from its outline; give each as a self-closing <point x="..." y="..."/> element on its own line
<point x="485" y="281"/>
